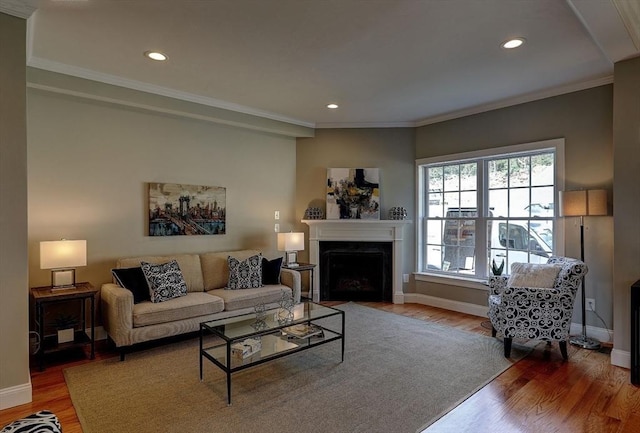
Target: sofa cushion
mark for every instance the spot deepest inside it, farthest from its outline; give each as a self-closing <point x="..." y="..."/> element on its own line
<point x="189" y="265"/>
<point x="185" y="307"/>
<point x="133" y="279"/>
<point x="239" y="299"/>
<point x="165" y="281"/>
<point x="271" y="270"/>
<point x="245" y="274"/>
<point x="215" y="268"/>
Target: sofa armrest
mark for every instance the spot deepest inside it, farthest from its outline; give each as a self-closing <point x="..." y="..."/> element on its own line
<point x="117" y="313"/>
<point x="291" y="278"/>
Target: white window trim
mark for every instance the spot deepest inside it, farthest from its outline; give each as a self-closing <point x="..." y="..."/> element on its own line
<point x="557" y="144"/>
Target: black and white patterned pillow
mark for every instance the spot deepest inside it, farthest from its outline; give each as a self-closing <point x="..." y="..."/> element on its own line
<point x="245" y="274"/>
<point x="41" y="422"/>
<point x="165" y="280"/>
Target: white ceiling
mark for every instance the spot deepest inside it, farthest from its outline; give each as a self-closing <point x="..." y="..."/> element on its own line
<point x="386" y="62"/>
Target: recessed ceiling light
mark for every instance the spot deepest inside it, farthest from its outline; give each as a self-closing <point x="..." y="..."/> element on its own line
<point x="513" y="43"/>
<point x="156" y="55"/>
<point x="332" y="106"/>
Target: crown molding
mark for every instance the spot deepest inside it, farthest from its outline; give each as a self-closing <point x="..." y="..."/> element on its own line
<point x="61" y="68"/>
<point x="18" y="8"/>
<point x="338" y="125"/>
<point x="530" y="97"/>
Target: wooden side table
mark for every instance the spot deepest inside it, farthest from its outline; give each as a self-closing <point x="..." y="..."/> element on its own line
<point x="45" y="296"/>
<point x="303" y="267"/>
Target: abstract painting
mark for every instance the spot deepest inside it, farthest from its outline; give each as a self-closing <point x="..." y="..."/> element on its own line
<point x="353" y="193"/>
<point x="179" y="210"/>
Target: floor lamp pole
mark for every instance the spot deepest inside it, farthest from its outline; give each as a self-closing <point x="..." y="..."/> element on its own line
<point x="582" y="340"/>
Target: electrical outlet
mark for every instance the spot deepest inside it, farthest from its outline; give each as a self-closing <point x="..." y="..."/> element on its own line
<point x="276" y="215"/>
<point x="591" y="304"/>
<point x="276" y="228"/>
<point x="405" y="278"/>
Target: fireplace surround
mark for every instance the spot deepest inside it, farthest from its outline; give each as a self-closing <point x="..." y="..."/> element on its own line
<point x="385" y="231"/>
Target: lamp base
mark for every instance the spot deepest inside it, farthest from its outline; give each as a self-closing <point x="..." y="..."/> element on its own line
<point x="585" y="342"/>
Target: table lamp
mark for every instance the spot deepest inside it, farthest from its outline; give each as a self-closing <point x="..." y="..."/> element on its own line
<point x="291" y="243"/>
<point x="62" y="257"/>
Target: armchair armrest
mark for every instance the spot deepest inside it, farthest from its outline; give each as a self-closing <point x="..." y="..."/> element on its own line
<point x="117" y="313"/>
<point x="497" y="284"/>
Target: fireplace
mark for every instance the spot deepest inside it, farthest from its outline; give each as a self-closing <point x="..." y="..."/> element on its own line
<point x="356" y="271"/>
<point x="361" y="231"/>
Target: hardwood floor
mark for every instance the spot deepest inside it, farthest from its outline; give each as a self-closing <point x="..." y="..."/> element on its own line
<point x="541" y="393"/>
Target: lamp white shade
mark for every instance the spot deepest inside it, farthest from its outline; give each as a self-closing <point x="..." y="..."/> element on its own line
<point x="62" y="254"/>
<point x="291" y="241"/>
<point x="583" y="203"/>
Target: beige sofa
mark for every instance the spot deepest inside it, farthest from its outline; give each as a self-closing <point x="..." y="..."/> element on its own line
<point x="206" y="276"/>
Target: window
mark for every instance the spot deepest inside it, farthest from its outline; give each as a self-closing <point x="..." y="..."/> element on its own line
<point x="485" y="207"/>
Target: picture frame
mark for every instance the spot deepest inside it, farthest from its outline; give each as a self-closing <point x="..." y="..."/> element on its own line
<point x="353" y="193"/>
<point x="184" y="210"/>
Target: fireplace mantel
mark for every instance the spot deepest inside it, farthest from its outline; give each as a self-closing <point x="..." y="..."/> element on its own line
<point x="359" y="230"/>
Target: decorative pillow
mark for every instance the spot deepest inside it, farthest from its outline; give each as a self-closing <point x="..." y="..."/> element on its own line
<point x="41" y="422"/>
<point x="271" y="270"/>
<point x="245" y="274"/>
<point x="533" y="275"/>
<point x="133" y="279"/>
<point x="165" y="281"/>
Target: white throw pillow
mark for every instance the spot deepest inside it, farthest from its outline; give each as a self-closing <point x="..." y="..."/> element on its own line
<point x="533" y="275"/>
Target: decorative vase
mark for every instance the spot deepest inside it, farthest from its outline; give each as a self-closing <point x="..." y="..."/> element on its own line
<point x="397" y="213"/>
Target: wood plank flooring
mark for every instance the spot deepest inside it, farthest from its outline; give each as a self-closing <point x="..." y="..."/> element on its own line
<point x="538" y="394"/>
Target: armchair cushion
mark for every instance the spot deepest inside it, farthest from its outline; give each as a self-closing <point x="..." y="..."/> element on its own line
<point x="533" y="275"/>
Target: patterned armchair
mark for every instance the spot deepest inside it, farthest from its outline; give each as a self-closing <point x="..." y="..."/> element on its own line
<point x="536" y="313"/>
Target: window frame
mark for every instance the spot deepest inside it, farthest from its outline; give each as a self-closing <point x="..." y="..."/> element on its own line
<point x="473" y="280"/>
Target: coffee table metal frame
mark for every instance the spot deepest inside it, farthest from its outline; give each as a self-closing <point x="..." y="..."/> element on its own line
<point x="275" y="343"/>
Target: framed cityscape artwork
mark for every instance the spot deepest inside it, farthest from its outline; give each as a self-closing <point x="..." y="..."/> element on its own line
<point x="179" y="210"/>
<point x="353" y="193"/>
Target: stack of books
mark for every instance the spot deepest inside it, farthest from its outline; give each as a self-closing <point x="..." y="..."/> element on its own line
<point x="302" y="331"/>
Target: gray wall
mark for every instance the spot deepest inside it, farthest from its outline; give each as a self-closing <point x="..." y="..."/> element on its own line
<point x="584" y="119"/>
<point x="89" y="163"/>
<point x="389" y="149"/>
<point x="626" y="198"/>
<point x="15" y="385"/>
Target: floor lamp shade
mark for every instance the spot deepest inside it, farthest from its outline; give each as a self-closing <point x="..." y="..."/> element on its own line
<point x="583" y="203"/>
<point x="62" y="257"/>
<point x="580" y="204"/>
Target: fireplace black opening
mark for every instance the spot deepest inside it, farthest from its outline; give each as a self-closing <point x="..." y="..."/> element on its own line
<point x="356" y="271"/>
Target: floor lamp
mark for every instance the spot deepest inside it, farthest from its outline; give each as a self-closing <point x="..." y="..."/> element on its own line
<point x="580" y="204"/>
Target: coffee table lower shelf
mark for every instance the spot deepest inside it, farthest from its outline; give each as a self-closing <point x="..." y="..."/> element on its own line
<point x="274" y="344"/>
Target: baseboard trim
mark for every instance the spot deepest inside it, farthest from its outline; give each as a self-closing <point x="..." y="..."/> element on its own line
<point x="621" y="358"/>
<point x="603" y="335"/>
<point x="447" y="304"/>
<point x="15" y="395"/>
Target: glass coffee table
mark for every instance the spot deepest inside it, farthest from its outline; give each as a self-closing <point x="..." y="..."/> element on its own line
<point x="245" y="341"/>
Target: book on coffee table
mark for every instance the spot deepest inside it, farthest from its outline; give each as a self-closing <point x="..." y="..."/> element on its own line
<point x="303" y="330"/>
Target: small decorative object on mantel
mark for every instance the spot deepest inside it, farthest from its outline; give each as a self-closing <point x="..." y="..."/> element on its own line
<point x="495" y="269"/>
<point x="313" y="213"/>
<point x="398" y="213"/>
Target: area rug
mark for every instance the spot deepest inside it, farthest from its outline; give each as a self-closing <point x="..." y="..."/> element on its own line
<point x="399" y="375"/>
